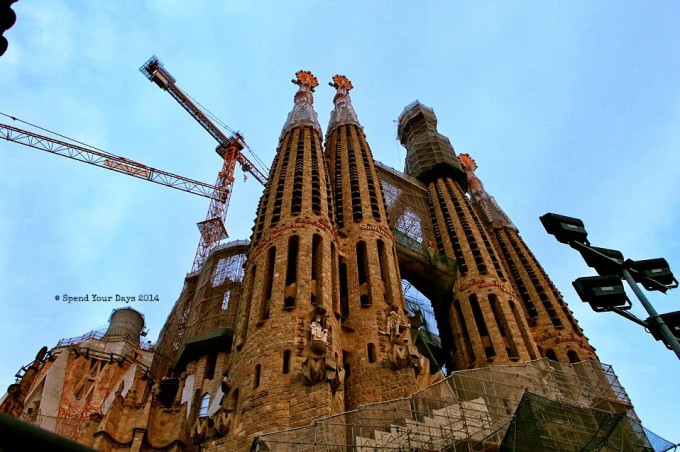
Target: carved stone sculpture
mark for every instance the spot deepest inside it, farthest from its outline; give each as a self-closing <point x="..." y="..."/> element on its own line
<point x="201" y="429"/>
<point x="397" y="356"/>
<point x="397" y="331"/>
<point x="313" y="370"/>
<point x="121" y="387"/>
<point x="492" y="211"/>
<point x="226" y="389"/>
<point x="221" y="421"/>
<point x="319" y="369"/>
<point x="12" y="405"/>
<point x="319" y="336"/>
<point x="401" y="353"/>
<point x="178" y="396"/>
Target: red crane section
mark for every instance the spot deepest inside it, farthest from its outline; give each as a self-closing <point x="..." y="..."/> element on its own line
<point x="154" y="71"/>
<point x="229" y="148"/>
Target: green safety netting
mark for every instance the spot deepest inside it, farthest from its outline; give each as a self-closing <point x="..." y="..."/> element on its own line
<point x="543" y="424"/>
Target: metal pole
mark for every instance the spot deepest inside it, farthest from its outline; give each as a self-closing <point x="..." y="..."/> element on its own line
<point x="663" y="328"/>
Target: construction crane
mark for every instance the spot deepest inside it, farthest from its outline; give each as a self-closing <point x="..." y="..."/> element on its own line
<point x="111" y="162"/>
<point x="229" y="148"/>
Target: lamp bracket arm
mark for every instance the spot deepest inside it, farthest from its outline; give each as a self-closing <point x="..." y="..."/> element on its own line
<point x="630" y="317"/>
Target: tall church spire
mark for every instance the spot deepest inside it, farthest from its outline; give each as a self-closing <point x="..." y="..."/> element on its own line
<point x="343" y="112"/>
<point x="485" y="320"/>
<point x="488" y="207"/>
<point x="552" y="325"/>
<point x="376" y="340"/>
<point x="303" y="113"/>
<point x="288" y="336"/>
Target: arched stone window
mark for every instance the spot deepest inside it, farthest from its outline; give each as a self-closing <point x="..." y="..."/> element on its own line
<point x="205" y="404"/>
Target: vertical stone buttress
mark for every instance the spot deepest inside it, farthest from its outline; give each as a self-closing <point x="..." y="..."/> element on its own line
<point x="553" y="327"/>
<point x="486" y="319"/>
<point x="288" y="339"/>
<point x="376" y="348"/>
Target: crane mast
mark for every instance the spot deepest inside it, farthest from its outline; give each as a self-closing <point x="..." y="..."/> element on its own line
<point x="212" y="229"/>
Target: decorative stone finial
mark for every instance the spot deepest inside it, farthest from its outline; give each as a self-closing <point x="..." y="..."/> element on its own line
<point x="468" y="163"/>
<point x="303" y="111"/>
<point x="341" y="83"/>
<point x="343" y="112"/>
<point x="305" y="79"/>
<point x="490" y="208"/>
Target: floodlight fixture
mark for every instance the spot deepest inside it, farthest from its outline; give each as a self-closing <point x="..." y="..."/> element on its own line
<point x="603" y="260"/>
<point x="656" y="270"/>
<point x="565" y="229"/>
<point x="606" y="292"/>
<point x="603" y="293"/>
<point x="672" y="321"/>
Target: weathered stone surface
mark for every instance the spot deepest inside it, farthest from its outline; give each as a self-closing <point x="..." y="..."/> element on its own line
<point x="308" y="319"/>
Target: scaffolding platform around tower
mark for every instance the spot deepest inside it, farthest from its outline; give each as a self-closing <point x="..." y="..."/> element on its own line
<point x="213" y="229"/>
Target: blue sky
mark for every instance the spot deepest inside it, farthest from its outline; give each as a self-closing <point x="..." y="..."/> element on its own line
<point x="571" y="107"/>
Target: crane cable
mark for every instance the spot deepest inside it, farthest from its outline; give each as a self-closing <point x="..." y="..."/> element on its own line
<point x="73" y="140"/>
<point x="214" y="117"/>
<point x="89" y="146"/>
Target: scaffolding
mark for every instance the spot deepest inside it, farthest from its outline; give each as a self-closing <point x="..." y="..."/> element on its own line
<point x="205" y="304"/>
<point x="407" y="208"/>
<point x="96" y="333"/>
<point x="543" y="424"/>
<point x="409" y="216"/>
<point x="493" y="408"/>
<point x="428" y="151"/>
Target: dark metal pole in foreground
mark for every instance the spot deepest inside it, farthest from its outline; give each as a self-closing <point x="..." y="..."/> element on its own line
<point x="16" y="434"/>
<point x="663" y="328"/>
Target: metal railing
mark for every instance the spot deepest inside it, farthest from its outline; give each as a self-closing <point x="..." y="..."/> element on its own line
<point x="97" y="333"/>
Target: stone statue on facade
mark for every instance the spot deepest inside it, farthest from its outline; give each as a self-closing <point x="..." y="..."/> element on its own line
<point x="395" y="329"/>
<point x="401" y="352"/>
<point x="121" y="387"/>
<point x="319" y="365"/>
<point x="319" y="335"/>
<point x="13" y="404"/>
<point x="180" y="390"/>
<point x="226" y="389"/>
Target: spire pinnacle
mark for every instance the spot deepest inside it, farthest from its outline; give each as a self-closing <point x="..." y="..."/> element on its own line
<point x="303" y="110"/>
<point x="341" y="83"/>
<point x="305" y="80"/>
<point x="343" y="112"/>
<point x="492" y="211"/>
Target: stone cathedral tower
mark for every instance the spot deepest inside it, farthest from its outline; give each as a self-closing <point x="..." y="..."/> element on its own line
<point x="554" y="329"/>
<point x="488" y="325"/>
<point x="287" y="320"/>
<point x="372" y="304"/>
<point x="302" y="338"/>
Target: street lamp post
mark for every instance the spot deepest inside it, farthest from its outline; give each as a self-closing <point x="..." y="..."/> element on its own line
<point x="666" y="333"/>
<point x="605" y="293"/>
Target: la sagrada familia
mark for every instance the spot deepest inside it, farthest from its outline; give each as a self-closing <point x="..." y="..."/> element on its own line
<point x="301" y="337"/>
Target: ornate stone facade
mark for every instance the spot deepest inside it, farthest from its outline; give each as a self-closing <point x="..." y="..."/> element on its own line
<point x="486" y="321"/>
<point x="309" y="319"/>
<point x="553" y="327"/>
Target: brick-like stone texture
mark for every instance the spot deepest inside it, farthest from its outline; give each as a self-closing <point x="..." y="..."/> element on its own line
<point x="293" y="326"/>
